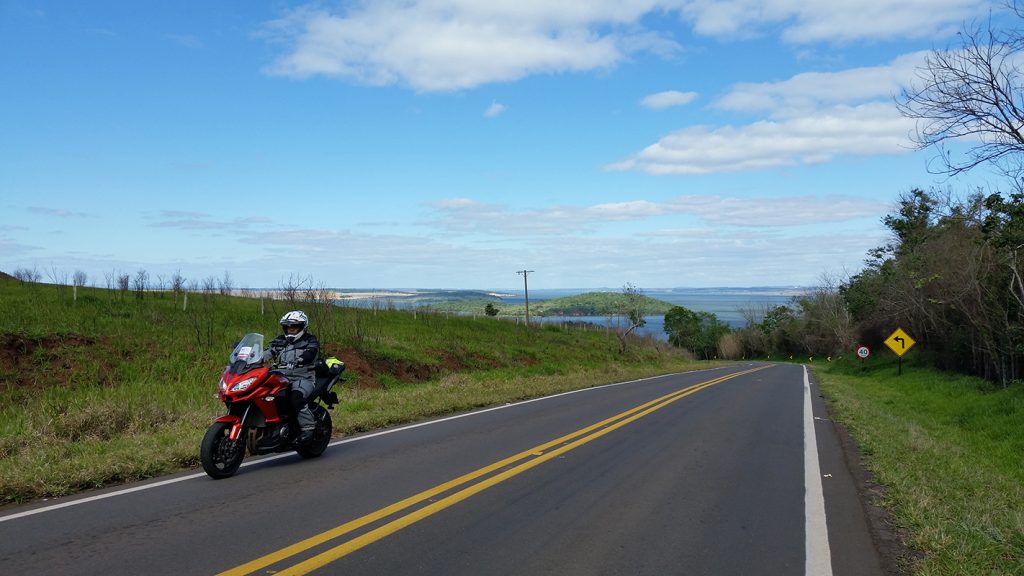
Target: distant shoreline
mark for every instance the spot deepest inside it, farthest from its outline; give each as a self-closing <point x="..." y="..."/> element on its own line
<point x="415" y="292"/>
<point x="370" y="295"/>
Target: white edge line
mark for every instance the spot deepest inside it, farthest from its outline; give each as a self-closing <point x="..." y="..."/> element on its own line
<point x="252" y="462"/>
<point x="819" y="556"/>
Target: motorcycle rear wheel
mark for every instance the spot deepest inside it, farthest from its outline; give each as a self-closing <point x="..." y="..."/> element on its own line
<point x="220" y="456"/>
<point x="321" y="435"/>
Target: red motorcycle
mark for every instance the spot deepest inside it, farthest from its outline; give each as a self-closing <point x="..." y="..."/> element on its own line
<point x="259" y="416"/>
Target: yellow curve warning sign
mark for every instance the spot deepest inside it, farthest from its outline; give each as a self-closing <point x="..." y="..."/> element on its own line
<point x="899" y="342"/>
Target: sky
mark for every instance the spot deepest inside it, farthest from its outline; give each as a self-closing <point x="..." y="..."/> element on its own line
<point x="452" y="143"/>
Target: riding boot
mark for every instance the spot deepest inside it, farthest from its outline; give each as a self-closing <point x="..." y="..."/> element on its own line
<point x="307" y="424"/>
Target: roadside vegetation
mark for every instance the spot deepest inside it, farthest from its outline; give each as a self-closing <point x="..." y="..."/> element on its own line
<point x="106" y="385"/>
<point x="951" y="277"/>
<point x="947" y="450"/>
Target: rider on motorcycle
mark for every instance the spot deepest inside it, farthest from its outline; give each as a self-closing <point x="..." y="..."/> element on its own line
<point x="296" y="351"/>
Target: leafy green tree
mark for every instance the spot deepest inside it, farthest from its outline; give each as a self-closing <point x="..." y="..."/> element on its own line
<point x="952" y="278"/>
<point x="490" y="309"/>
<point x="781" y="330"/>
<point x="698" y="332"/>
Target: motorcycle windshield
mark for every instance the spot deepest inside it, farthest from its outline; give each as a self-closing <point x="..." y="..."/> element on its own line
<point x="248" y="353"/>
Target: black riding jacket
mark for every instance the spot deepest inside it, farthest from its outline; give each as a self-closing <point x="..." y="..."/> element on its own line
<point x="296" y="360"/>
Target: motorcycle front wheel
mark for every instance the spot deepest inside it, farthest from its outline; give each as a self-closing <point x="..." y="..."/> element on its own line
<point x="220" y="456"/>
<point x="321" y="435"/>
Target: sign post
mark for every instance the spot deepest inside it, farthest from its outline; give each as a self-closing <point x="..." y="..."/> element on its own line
<point x="899" y="342"/>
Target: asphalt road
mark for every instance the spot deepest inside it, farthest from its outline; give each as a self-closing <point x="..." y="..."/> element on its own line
<point x="697" y="473"/>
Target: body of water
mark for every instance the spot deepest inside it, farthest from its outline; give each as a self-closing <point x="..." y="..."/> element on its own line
<point x="727" y="304"/>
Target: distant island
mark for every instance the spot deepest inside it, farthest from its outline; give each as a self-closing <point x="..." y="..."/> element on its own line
<point x="587" y="304"/>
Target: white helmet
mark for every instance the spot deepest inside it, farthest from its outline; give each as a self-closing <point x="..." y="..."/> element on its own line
<point x="294" y="318"/>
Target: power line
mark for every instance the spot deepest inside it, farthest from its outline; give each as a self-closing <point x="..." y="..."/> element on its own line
<point x="525" y="290"/>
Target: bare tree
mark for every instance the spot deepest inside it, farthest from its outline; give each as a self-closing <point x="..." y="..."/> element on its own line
<point x="27" y="274"/>
<point x="973" y="91"/>
<point x="226" y="285"/>
<point x="634" y="310"/>
<point x="828" y="324"/>
<point x="321" y="309"/>
<point x="177" y="282"/>
<point x="209" y="284"/>
<point x="79" y="278"/>
<point x="292" y="290"/>
<point x="140" y="283"/>
<point x="58" y="277"/>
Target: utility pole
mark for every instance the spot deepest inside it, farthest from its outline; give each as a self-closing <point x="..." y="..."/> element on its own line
<point x="526" y="292"/>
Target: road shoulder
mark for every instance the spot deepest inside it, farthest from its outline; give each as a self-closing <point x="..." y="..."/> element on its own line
<point x="854" y="502"/>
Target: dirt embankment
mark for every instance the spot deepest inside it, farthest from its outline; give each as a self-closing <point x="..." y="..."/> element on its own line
<point x="33" y="362"/>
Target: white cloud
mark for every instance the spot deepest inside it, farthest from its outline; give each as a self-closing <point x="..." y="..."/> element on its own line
<point x="467" y="217"/>
<point x="846" y="20"/>
<point x="782" y="211"/>
<point x="668" y="99"/>
<point x="869" y="129"/>
<point x="188" y="220"/>
<point x="672" y="257"/>
<point x="495" y="110"/>
<point x="464" y="216"/>
<point x="811" y="119"/>
<point x="58" y="212"/>
<point x="680" y="233"/>
<point x="830" y="20"/>
<point x="747" y="212"/>
<point x="716" y="258"/>
<point x="811" y="91"/>
<point x="626" y="210"/>
<point x="686" y="241"/>
<point x="703" y="241"/>
<point x="439" y="45"/>
<point x="457" y="44"/>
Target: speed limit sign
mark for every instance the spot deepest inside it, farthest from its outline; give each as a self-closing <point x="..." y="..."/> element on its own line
<point x="863" y="352"/>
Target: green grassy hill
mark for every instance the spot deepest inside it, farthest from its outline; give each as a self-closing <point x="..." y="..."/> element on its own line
<point x="103" y="386"/>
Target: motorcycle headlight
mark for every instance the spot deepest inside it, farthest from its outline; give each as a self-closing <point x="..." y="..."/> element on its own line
<point x="243" y="384"/>
<point x="223" y="385"/>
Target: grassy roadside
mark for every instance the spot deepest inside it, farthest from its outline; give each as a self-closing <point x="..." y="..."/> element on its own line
<point x="949" y="451"/>
<point x="100" y="387"/>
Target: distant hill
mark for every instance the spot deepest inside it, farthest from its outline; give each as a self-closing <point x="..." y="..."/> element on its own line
<point x="587" y="304"/>
<point x="598" y="304"/>
<point x="440" y="299"/>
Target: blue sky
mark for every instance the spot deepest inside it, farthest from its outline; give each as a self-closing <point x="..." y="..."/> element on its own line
<point x="450" y="143"/>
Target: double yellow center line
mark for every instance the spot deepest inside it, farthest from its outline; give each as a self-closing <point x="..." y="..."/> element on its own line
<point x="531" y="458"/>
